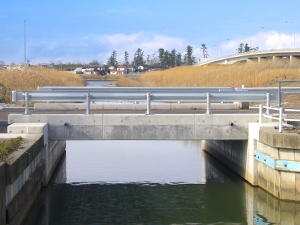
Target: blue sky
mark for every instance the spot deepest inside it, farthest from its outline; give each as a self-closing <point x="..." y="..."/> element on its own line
<point x="91" y="29"/>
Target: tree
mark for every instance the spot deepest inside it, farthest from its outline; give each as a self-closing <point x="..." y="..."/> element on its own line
<point x="94" y="63"/>
<point x="178" y="60"/>
<point x="204" y="51"/>
<point x="161" y="55"/>
<point x="189" y="57"/>
<point x="126" y="55"/>
<point x="166" y="59"/>
<point x="112" y="60"/>
<point x="138" y="57"/>
<point x="245" y="48"/>
<point x="173" y="58"/>
<point x="240" y="49"/>
<point x="2" y="63"/>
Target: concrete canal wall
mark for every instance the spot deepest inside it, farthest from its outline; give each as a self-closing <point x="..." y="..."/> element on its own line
<point x="269" y="159"/>
<point x="26" y="170"/>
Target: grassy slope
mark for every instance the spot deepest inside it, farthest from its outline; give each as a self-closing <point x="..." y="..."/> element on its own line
<point x="236" y="75"/>
<point x="33" y="77"/>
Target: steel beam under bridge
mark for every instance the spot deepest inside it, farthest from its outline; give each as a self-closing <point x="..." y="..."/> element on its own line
<point x="139" y="127"/>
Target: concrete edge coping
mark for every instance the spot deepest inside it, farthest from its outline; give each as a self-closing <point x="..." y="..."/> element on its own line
<point x="20" y="159"/>
<point x="272" y="137"/>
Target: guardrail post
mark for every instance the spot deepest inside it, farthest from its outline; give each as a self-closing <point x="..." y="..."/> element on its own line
<point x="208" y="103"/>
<point x="268" y="103"/>
<point x="27" y="112"/>
<point x="260" y="113"/>
<point x="280" y="119"/>
<point x="148" y="104"/>
<point x="88" y="103"/>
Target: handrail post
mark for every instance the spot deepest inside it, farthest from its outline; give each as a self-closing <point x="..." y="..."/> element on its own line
<point x="27" y="112"/>
<point x="148" y="104"/>
<point x="280" y="119"/>
<point x="208" y="111"/>
<point x="88" y="103"/>
<point x="268" y="104"/>
<point x="260" y="113"/>
<point x="279" y="93"/>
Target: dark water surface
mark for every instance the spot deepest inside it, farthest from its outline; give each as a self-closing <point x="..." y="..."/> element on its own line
<point x="152" y="182"/>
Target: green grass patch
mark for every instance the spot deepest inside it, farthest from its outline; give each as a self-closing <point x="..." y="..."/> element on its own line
<point x="8" y="146"/>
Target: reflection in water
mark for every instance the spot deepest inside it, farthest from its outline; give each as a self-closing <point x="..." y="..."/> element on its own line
<point x="221" y="197"/>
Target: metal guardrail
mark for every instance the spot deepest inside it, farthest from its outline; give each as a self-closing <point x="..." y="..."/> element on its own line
<point x="207" y="95"/>
<point x="280" y="118"/>
<point x="137" y="89"/>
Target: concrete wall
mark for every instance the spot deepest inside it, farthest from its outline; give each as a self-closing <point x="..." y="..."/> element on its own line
<point x="2" y="194"/>
<point x="269" y="159"/>
<point x="279" y="170"/>
<point x="21" y="176"/>
<point x="142" y="127"/>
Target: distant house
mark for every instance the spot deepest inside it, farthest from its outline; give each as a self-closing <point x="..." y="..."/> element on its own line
<point x="115" y="72"/>
<point x="131" y="69"/>
<point x="111" y="67"/>
<point x="121" y="70"/>
<point x="143" y="68"/>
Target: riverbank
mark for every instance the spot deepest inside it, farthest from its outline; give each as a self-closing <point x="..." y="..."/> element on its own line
<point x="234" y="75"/>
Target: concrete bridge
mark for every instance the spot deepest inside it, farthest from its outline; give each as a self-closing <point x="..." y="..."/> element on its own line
<point x="257" y="57"/>
<point x="257" y="152"/>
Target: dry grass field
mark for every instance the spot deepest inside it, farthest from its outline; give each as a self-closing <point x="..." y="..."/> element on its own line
<point x="235" y="75"/>
<point x="29" y="79"/>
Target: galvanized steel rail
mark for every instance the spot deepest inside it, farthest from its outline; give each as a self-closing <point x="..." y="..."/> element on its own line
<point x="105" y="94"/>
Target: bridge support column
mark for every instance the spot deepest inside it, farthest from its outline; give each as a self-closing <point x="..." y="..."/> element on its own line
<point x="291" y="60"/>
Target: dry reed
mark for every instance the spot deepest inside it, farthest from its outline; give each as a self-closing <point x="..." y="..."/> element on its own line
<point x="234" y="75"/>
<point x="30" y="78"/>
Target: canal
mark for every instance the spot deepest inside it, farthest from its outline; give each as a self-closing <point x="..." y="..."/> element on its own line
<point x="152" y="182"/>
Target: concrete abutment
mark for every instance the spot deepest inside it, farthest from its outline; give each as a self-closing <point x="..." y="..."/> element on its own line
<point x="26" y="170"/>
<point x="268" y="159"/>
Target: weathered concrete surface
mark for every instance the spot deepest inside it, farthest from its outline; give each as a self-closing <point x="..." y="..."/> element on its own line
<point x="139" y="106"/>
<point x="20" y="206"/>
<point x="52" y="150"/>
<point x="272" y="137"/>
<point x="21" y="177"/>
<point x="2" y="194"/>
<point x="238" y="154"/>
<point x="142" y="127"/>
<point x="279" y="146"/>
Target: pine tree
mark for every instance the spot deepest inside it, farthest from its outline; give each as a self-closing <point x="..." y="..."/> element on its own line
<point x="113" y="59"/>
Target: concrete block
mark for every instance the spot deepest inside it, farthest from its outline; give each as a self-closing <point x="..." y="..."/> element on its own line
<point x="27" y="128"/>
<point x="287" y="154"/>
<point x="297" y="154"/>
<point x="297" y="177"/>
<point x="273" y="138"/>
<point x="287" y="185"/>
<point x="270" y="151"/>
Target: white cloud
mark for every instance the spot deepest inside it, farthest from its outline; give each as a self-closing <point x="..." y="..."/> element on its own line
<point x="100" y="47"/>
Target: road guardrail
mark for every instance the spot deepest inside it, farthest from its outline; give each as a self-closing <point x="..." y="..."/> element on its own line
<point x="149" y="95"/>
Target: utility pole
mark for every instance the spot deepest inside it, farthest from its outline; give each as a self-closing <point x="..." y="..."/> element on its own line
<point x="24" y="41"/>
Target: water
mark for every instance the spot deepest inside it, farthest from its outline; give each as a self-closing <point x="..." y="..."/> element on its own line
<point x="152" y="182"/>
<point x="96" y="83"/>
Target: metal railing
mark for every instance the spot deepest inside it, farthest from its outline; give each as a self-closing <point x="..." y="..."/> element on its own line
<point x="149" y="95"/>
<point x="279" y="117"/>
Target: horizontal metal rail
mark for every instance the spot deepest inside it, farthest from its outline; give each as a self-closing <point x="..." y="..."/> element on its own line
<point x="137" y="89"/>
<point x="280" y="118"/>
<point x="208" y="97"/>
<point x="163" y="90"/>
